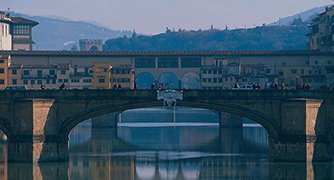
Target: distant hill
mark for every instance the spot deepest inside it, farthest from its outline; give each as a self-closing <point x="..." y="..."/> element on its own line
<point x="305" y="16"/>
<point x="55" y="33"/>
<point x="259" y="38"/>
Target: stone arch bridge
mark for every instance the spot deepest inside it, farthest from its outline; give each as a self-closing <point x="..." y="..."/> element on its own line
<point x="37" y="122"/>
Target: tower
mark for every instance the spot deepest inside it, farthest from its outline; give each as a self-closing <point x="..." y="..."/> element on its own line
<point x="90" y="44"/>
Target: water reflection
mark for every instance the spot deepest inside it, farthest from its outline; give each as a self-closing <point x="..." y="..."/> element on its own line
<point x="195" y="152"/>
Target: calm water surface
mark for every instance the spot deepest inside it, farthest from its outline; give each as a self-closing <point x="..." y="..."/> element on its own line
<point x="174" y="148"/>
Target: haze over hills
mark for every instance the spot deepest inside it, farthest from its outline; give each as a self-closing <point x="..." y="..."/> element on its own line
<point x="59" y="33"/>
<point x="55" y="33"/>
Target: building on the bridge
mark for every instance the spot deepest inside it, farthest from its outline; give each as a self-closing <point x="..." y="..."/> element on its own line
<point x="52" y="76"/>
<point x="106" y="76"/>
<point x="322" y="30"/>
<point x="102" y="76"/>
<point x="16" y="32"/>
<point x="91" y="44"/>
<point x="4" y="63"/>
<point x="124" y="75"/>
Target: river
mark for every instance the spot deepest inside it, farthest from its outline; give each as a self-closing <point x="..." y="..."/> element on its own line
<point x="166" y="144"/>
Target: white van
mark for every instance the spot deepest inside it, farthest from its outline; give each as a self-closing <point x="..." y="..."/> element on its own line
<point x="15" y="87"/>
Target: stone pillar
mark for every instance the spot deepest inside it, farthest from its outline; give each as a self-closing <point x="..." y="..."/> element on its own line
<point x="179" y="84"/>
<point x="35" y="137"/>
<point x="229" y="120"/>
<point x="231" y="140"/>
<point x="105" y="121"/>
<point x="302" y="135"/>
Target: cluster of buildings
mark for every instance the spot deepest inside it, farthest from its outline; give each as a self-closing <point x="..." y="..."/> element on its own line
<point x="92" y="68"/>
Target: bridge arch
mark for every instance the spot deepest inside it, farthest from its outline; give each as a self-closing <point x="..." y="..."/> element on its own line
<point x="169" y="80"/>
<point x="144" y="80"/>
<point x="94" y="48"/>
<point x="5" y="128"/>
<point x="268" y="123"/>
<point x="190" y="80"/>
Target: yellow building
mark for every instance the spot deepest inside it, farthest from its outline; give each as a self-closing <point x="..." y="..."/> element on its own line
<point x="101" y="76"/>
<point x="123" y="75"/>
<point x="4" y="63"/>
<point x="296" y="75"/>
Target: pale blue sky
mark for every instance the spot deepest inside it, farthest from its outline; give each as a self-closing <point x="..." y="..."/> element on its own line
<point x="153" y="16"/>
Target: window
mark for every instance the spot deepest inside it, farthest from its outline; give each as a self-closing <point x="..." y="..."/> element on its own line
<point x="214" y="71"/>
<point x="21" y="29"/>
<point x="123" y="80"/>
<point x="309" y="80"/>
<point x="75" y="80"/>
<point x="25" y="81"/>
<point x="60" y="80"/>
<point x="209" y="72"/>
<point x="2" y="70"/>
<point x="302" y="71"/>
<point x="39" y="81"/>
<point x="32" y="81"/>
<point x="62" y="72"/>
<point x="53" y="81"/>
<point x="280" y="73"/>
<point x="145" y="63"/>
<point x="209" y="79"/>
<point x="220" y="80"/>
<point x="304" y="80"/>
<point x="293" y="71"/>
<point x="268" y="71"/>
<point x="47" y="81"/>
<point x="2" y="61"/>
<point x="316" y="62"/>
<point x="66" y="80"/>
<point x="2" y="81"/>
<point x="215" y="80"/>
<point x="283" y="63"/>
<point x="167" y="62"/>
<point x="86" y="80"/>
<point x="14" y="71"/>
<point x="102" y="80"/>
<point x="14" y="81"/>
<point x="39" y="73"/>
<point x="52" y="72"/>
<point x="204" y="79"/>
<point x="204" y="71"/>
<point x="26" y="72"/>
<point x="114" y="80"/>
<point x="220" y="72"/>
<point x="190" y="62"/>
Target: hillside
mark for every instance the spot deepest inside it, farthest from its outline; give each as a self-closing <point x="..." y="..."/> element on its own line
<point x="259" y="38"/>
<point x="54" y="33"/>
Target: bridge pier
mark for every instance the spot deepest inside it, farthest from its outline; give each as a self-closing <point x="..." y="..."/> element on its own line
<point x="229" y="120"/>
<point x="302" y="135"/>
<point x="105" y="121"/>
<point x="35" y="138"/>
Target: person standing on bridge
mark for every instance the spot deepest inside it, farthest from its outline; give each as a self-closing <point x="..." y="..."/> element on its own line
<point x="152" y="86"/>
<point x="42" y="86"/>
<point x="119" y="86"/>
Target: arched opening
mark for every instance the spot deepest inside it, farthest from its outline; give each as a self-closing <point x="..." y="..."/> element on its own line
<point x="191" y="80"/>
<point x="154" y="149"/>
<point x="94" y="48"/>
<point x="169" y="80"/>
<point x="144" y="80"/>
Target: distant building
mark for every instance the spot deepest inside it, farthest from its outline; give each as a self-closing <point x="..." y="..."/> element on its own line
<point x="16" y="32"/>
<point x="4" y="63"/>
<point x="102" y="76"/>
<point x="91" y="44"/>
<point x="321" y="36"/>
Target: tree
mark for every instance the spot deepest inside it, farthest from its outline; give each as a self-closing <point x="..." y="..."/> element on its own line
<point x="74" y="48"/>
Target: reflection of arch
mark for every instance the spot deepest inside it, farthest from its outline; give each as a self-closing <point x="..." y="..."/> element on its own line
<point x="190" y="80"/>
<point x="269" y="124"/>
<point x="145" y="171"/>
<point x="94" y="48"/>
<point x="169" y="80"/>
<point x="144" y="80"/>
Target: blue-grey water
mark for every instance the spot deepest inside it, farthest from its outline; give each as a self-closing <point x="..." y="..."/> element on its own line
<point x="166" y="144"/>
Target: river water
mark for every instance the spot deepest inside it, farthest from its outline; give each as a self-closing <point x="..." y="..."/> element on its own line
<point x="166" y="144"/>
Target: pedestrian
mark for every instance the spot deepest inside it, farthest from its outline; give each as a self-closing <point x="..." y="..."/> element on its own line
<point x="135" y="86"/>
<point x="152" y="86"/>
<point x="254" y="86"/>
<point x="160" y="87"/>
<point x="258" y="86"/>
<point x="32" y="87"/>
<point x="119" y="86"/>
<point x="283" y="85"/>
<point x="62" y="86"/>
<point x="42" y="86"/>
<point x="276" y="86"/>
<point x="307" y="86"/>
<point x="266" y="86"/>
<point x="115" y="86"/>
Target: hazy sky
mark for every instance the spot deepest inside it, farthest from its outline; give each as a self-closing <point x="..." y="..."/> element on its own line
<point x="153" y="16"/>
